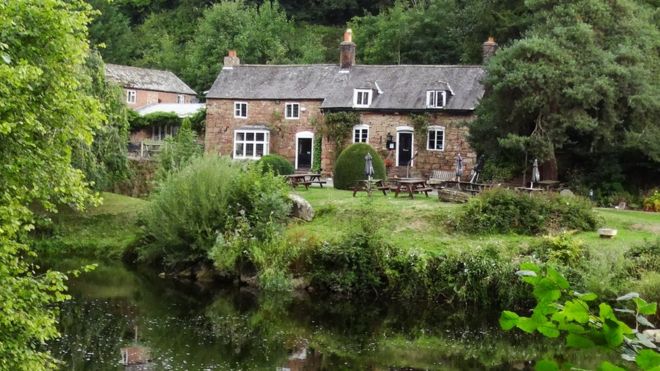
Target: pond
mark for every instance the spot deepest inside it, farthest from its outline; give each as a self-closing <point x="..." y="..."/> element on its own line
<point x="189" y="327"/>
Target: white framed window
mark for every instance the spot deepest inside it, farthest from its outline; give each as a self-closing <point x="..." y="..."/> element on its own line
<point x="251" y="144"/>
<point x="362" y="97"/>
<point x="240" y="110"/>
<point x="436" y="98"/>
<point x="160" y="132"/>
<point x="180" y="98"/>
<point x="361" y="134"/>
<point x="131" y="96"/>
<point x="436" y="139"/>
<point x="292" y="111"/>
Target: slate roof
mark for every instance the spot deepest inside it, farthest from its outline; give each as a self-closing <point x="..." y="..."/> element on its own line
<point x="403" y="86"/>
<point x="147" y="79"/>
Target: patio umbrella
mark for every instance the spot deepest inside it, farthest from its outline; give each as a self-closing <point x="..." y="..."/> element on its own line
<point x="536" y="176"/>
<point x="459" y="166"/>
<point x="368" y="166"/>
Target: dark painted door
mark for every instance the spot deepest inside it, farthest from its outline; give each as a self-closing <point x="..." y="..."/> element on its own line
<point x="304" y="153"/>
<point x="405" y="148"/>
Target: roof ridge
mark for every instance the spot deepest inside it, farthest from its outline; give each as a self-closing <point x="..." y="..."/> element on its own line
<point x="365" y="65"/>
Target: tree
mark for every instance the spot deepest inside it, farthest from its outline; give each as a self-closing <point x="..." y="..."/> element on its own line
<point x="582" y="85"/>
<point x="111" y="32"/>
<point x="42" y="48"/>
<point x="105" y="161"/>
<point x="261" y="34"/>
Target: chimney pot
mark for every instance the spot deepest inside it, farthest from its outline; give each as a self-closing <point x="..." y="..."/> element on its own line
<point x="347" y="50"/>
<point x="488" y="49"/>
<point x="231" y="60"/>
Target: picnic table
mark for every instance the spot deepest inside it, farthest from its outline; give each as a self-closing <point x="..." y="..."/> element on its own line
<point x="549" y="184"/>
<point x="529" y="189"/>
<point x="304" y="179"/>
<point x="369" y="185"/>
<point x="472" y="188"/>
<point x="411" y="185"/>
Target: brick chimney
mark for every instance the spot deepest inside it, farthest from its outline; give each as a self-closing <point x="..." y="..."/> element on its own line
<point x="347" y="51"/>
<point x="231" y="60"/>
<point x="488" y="49"/>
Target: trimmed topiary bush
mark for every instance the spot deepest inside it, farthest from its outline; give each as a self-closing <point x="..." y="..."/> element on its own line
<point x="350" y="166"/>
<point x="277" y="164"/>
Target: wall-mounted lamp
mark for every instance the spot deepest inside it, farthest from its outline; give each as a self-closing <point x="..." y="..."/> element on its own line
<point x="390" y="144"/>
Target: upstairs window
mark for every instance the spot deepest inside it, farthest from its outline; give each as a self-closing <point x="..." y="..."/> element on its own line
<point x="360" y="134"/>
<point x="361" y="98"/>
<point x="436" y="140"/>
<point x="251" y="144"/>
<point x="292" y="111"/>
<point x="436" y="98"/>
<point x="131" y="96"/>
<point x="240" y="110"/>
<point x="180" y="98"/>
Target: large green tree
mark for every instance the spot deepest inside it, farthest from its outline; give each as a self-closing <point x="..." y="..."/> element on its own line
<point x="580" y="90"/>
<point x="262" y="34"/>
<point x="43" y="44"/>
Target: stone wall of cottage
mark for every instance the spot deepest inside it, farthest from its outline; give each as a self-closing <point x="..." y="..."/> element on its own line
<point x="220" y="126"/>
<point x="147" y="97"/>
<point x="221" y="123"/>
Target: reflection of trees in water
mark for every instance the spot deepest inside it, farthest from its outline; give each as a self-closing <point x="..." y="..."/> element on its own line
<point x="189" y="328"/>
<point x="90" y="328"/>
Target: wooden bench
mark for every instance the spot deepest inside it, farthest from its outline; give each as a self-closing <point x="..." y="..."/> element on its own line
<point x="441" y="176"/>
<point x="319" y="182"/>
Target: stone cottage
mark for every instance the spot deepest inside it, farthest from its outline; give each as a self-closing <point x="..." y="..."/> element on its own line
<point x="146" y="86"/>
<point x="412" y="114"/>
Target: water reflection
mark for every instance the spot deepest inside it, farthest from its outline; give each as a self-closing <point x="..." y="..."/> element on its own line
<point x="186" y="327"/>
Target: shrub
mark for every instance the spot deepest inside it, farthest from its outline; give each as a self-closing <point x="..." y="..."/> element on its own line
<point x="205" y="201"/>
<point x="506" y="211"/>
<point x="349" y="167"/>
<point x="277" y="164"/>
<point x="644" y="257"/>
<point x="652" y="202"/>
<point x="178" y="151"/>
<point x="353" y="265"/>
<point x="560" y="249"/>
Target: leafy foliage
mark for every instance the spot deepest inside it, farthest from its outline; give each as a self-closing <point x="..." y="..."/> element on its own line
<point x="579" y="90"/>
<point x="578" y="320"/>
<point x="277" y="164"/>
<point x="105" y="161"/>
<point x="652" y="202"/>
<point x="506" y="211"/>
<point x="349" y="167"/>
<point x="318" y="152"/>
<point x="178" y="151"/>
<point x="195" y="207"/>
<point x="337" y="126"/>
<point x="43" y="48"/>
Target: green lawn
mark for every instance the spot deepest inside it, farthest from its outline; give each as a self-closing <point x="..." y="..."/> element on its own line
<point x="104" y="231"/>
<point x="420" y="222"/>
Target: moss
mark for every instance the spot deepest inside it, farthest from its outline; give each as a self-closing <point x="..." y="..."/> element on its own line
<point x="349" y="167"/>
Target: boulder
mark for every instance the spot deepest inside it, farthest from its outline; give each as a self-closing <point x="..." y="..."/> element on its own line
<point x="301" y="209"/>
<point x="566" y="193"/>
<point x="453" y="195"/>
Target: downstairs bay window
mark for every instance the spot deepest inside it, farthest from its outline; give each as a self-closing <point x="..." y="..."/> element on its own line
<point x="251" y="144"/>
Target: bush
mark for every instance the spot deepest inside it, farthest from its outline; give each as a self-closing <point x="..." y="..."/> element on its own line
<point x="207" y="201"/>
<point x="277" y="164"/>
<point x="178" y="151"/>
<point x="652" y="202"/>
<point x="349" y="167"/>
<point x="560" y="249"/>
<point x="505" y="211"/>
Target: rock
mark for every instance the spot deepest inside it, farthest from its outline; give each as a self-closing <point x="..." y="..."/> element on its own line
<point x="607" y="232"/>
<point x="301" y="209"/>
<point x="186" y="273"/>
<point x="653" y="335"/>
<point x="250" y="280"/>
<point x="204" y="273"/>
<point x="566" y="193"/>
<point x="453" y="195"/>
<point x="161" y="274"/>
